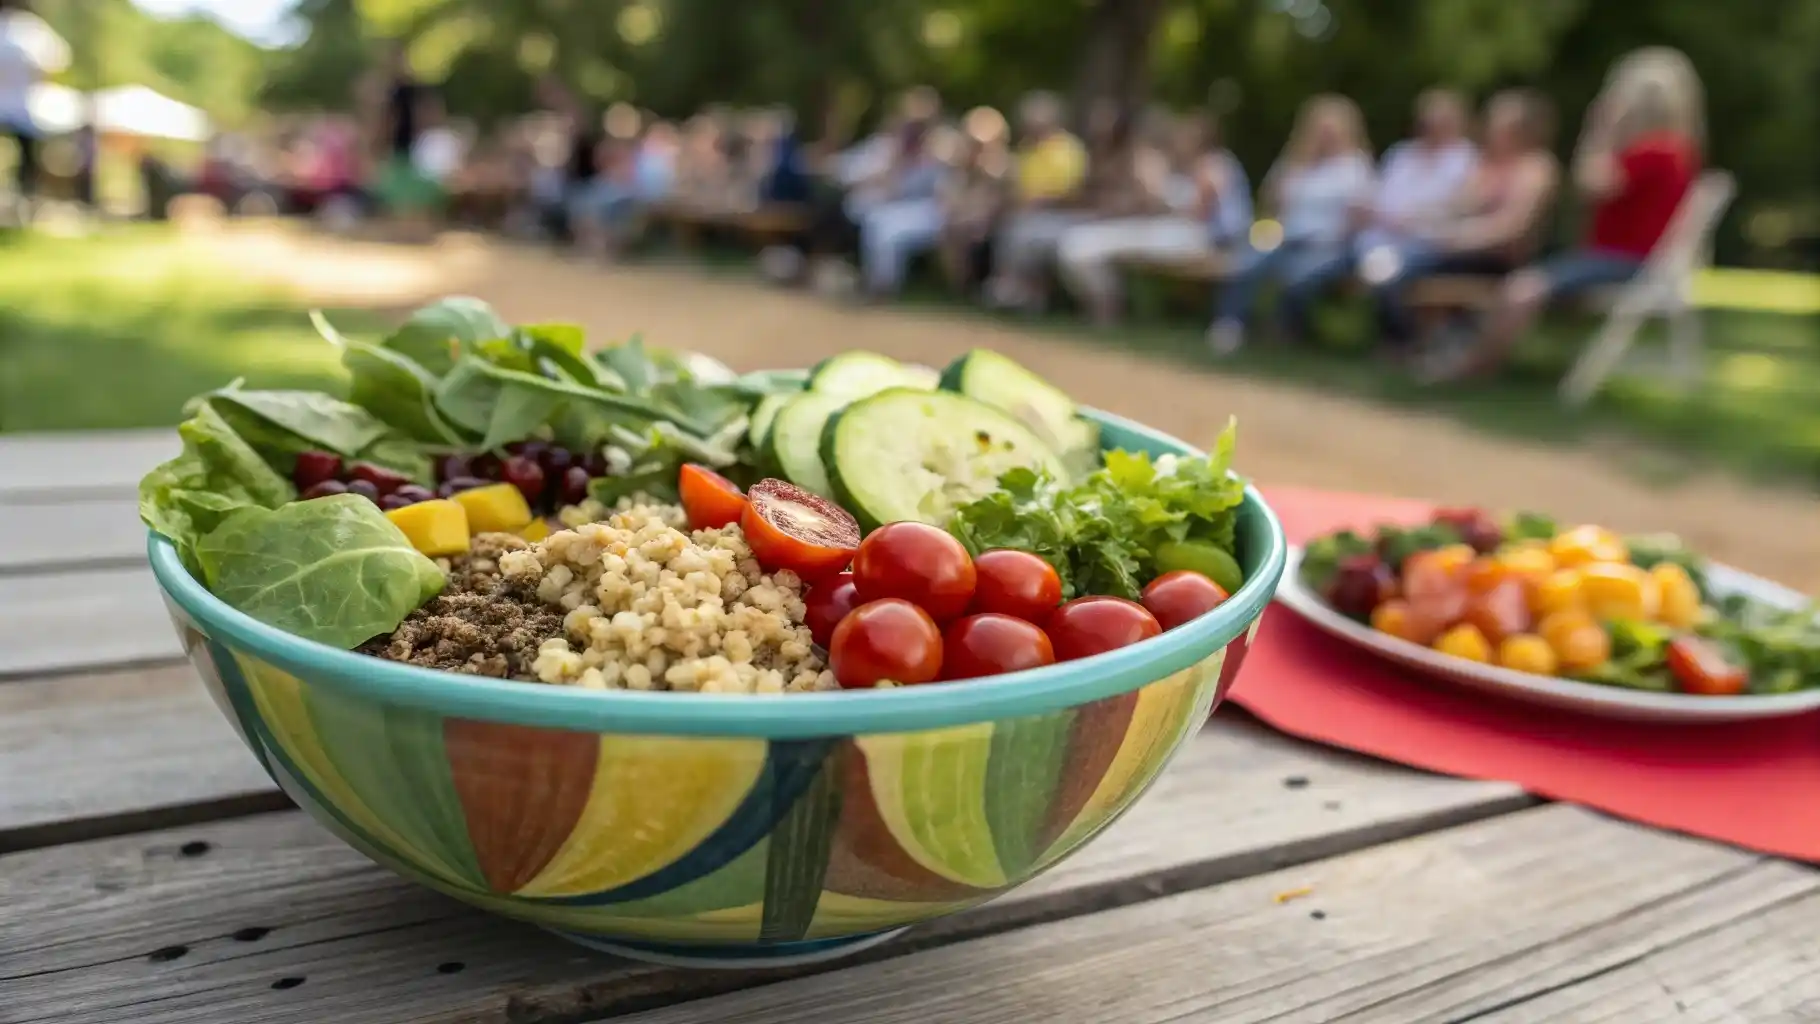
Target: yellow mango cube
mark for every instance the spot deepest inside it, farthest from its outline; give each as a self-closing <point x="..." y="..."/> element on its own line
<point x="1614" y="591"/>
<point x="435" y="528"/>
<point x="495" y="508"/>
<point x="538" y="530"/>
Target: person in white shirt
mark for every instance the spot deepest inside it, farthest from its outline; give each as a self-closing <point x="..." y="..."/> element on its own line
<point x="1199" y="203"/>
<point x="19" y="73"/>
<point x="1324" y="172"/>
<point x="1419" y="180"/>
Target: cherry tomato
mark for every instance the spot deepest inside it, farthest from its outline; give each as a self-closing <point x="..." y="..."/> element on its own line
<point x="789" y="528"/>
<point x="889" y="639"/>
<point x="1180" y="596"/>
<point x="712" y="500"/>
<point x="827" y="603"/>
<point x="1087" y="626"/>
<point x="1700" y="668"/>
<point x="991" y="644"/>
<point x="1016" y="583"/>
<point x="920" y="563"/>
<point x="1502" y="611"/>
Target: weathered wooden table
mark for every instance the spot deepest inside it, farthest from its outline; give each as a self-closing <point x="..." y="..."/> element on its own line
<point x="149" y="872"/>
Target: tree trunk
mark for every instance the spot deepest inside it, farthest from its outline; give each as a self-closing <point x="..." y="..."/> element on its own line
<point x="1116" y="64"/>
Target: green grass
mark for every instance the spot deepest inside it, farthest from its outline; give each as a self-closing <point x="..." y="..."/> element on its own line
<point x="118" y="330"/>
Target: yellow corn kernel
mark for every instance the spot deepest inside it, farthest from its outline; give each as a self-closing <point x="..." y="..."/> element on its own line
<point x="1558" y="591"/>
<point x="1584" y="545"/>
<point x="1614" y="591"/>
<point x="1527" y="652"/>
<point x="436" y="528"/>
<point x="495" y="508"/>
<point x="1530" y="559"/>
<point x="1680" y="604"/>
<point x="1465" y="641"/>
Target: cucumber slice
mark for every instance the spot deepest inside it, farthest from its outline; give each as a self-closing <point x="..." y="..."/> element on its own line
<point x="795" y="441"/>
<point x="858" y="374"/>
<point x="1002" y="383"/>
<point x="763" y="415"/>
<point x="908" y="454"/>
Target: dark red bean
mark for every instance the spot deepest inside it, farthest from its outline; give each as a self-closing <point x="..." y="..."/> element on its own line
<point x="323" y="488"/>
<point x="595" y="463"/>
<point x="523" y="472"/>
<point x="453" y="467"/>
<point x="530" y="448"/>
<point x="485" y="466"/>
<point x="385" y="480"/>
<point x="395" y="500"/>
<point x="575" y="485"/>
<point x="453" y="487"/>
<point x="366" y="489"/>
<point x="314" y="467"/>
<point x="556" y="461"/>
<point x="414" y="493"/>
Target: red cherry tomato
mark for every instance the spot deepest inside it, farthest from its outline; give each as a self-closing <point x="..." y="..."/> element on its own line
<point x="712" y="500"/>
<point x="1087" y="626"/>
<point x="920" y="563"/>
<point x="827" y="603"/>
<point x="789" y="528"/>
<point x="1701" y="668"/>
<point x="1016" y="583"/>
<point x="1181" y="596"/>
<point x="990" y="644"/>
<point x="890" y="639"/>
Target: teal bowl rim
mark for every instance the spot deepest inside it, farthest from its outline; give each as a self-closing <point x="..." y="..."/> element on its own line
<point x="793" y="716"/>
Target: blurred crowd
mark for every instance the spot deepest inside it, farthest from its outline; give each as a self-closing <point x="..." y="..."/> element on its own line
<point x="1011" y="208"/>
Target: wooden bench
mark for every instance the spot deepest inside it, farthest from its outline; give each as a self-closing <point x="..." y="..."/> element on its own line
<point x="762" y="224"/>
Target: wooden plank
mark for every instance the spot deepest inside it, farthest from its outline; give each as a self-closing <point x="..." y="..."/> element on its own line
<point x="71" y="620"/>
<point x="83" y="919"/>
<point x="1372" y="927"/>
<point x="93" y="755"/>
<point x="33" y="466"/>
<point x="1753" y="970"/>
<point x="51" y="534"/>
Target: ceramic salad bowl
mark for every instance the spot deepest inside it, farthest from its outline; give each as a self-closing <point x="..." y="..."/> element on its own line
<point x="721" y="829"/>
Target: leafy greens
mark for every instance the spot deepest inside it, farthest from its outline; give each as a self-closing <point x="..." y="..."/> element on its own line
<point x="1102" y="534"/>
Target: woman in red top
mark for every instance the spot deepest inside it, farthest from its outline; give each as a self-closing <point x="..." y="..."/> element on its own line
<point x="1638" y="155"/>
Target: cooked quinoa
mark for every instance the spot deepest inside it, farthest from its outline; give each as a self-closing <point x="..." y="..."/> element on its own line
<point x="650" y="606"/>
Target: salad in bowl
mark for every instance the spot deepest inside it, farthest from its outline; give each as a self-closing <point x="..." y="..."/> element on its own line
<point x="694" y="665"/>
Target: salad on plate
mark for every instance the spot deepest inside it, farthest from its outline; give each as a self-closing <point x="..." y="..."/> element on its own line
<point x="502" y="500"/>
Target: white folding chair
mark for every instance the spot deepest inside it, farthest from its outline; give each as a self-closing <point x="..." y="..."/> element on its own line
<point x="1663" y="288"/>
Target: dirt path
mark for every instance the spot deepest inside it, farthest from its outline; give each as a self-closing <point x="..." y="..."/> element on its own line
<point x="1289" y="434"/>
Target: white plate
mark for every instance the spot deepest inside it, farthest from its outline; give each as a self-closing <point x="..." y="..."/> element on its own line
<point x="1567" y="694"/>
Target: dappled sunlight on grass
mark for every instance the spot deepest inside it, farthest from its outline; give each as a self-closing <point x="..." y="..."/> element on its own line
<point x="1758" y="291"/>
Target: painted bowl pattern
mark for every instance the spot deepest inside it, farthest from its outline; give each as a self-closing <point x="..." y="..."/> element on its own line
<point x="744" y="837"/>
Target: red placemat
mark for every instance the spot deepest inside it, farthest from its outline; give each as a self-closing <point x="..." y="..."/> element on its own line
<point x="1755" y="785"/>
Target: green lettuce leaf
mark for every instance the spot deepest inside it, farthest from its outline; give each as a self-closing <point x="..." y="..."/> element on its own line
<point x="439" y="334"/>
<point x="217" y="473"/>
<point x="334" y="569"/>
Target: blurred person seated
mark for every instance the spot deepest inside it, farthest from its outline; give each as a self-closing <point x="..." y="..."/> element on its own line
<point x="1419" y="180"/>
<point x="702" y="172"/>
<point x="604" y="213"/>
<point x="1639" y="153"/>
<point x="1495" y="224"/>
<point x="786" y="177"/>
<point x="907" y="220"/>
<point x="973" y="199"/>
<point x="19" y="75"/>
<point x="1049" y="173"/>
<point x="1196" y="202"/>
<point x="654" y="166"/>
<point x="1325" y="171"/>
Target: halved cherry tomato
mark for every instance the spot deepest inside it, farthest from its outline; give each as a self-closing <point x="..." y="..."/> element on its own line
<point x="789" y="528"/>
<point x="1700" y="668"/>
<point x="990" y="644"/>
<point x="712" y="500"/>
<point x="1087" y="626"/>
<point x="1181" y="596"/>
<point x="1016" y="583"/>
<point x="1500" y="612"/>
<point x="885" y="640"/>
<point x="827" y="603"/>
<point x="920" y="563"/>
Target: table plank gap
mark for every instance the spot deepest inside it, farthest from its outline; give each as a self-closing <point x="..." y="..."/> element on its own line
<point x="1245" y="799"/>
<point x="74" y="620"/>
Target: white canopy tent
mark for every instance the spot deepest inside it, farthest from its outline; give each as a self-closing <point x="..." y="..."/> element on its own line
<point x="126" y="110"/>
<point x="46" y="48"/>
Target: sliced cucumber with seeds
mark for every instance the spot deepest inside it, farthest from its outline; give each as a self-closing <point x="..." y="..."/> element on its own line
<point x="795" y="440"/>
<point x="908" y="454"/>
<point x="763" y="415"/>
<point x="858" y="374"/>
<point x="1002" y="383"/>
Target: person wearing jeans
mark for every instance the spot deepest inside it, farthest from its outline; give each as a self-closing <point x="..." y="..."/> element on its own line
<point x="1323" y="173"/>
<point x="1050" y="168"/>
<point x="1201" y="204"/>
<point x="906" y="221"/>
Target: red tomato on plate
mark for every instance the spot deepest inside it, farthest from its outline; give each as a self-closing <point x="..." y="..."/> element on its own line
<point x="1016" y="583"/>
<point x="711" y="500"/>
<point x="790" y="528"/>
<point x="920" y="563"/>
<point x="890" y="639"/>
